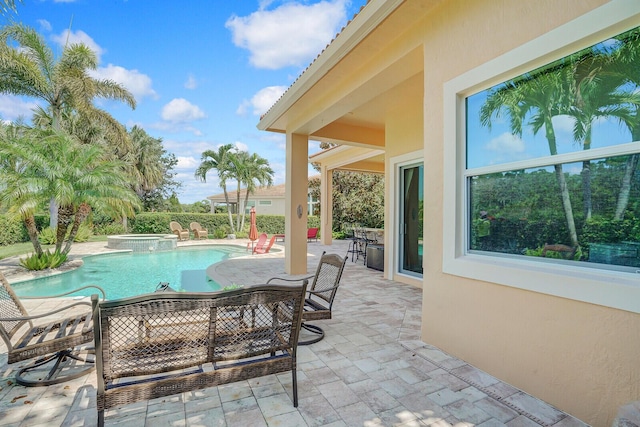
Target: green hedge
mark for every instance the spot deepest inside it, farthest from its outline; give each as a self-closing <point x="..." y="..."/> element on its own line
<point x="158" y="222"/>
<point x="13" y="230"/>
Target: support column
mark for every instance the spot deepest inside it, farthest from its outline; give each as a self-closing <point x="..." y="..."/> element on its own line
<point x="296" y="189"/>
<point x="326" y="205"/>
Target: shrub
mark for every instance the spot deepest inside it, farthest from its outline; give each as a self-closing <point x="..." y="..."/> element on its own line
<point x="47" y="260"/>
<point x="11" y="231"/>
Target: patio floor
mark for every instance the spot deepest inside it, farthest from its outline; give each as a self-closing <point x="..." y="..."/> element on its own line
<point x="371" y="370"/>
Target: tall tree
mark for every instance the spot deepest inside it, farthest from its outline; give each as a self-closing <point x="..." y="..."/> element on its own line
<point x="253" y="172"/>
<point x="55" y="166"/>
<point x="218" y="161"/>
<point x="537" y="98"/>
<point x="28" y="67"/>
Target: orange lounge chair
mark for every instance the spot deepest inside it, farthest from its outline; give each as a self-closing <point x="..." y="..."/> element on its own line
<point x="262" y="239"/>
<point x="263" y="250"/>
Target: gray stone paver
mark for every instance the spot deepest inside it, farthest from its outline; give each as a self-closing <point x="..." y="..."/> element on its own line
<point x="371" y="370"/>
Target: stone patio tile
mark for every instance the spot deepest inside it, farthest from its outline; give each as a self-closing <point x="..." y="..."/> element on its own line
<point x="164" y="408"/>
<point x="234" y="391"/>
<point x="275" y="405"/>
<point x="522" y="421"/>
<point x="398" y="416"/>
<point x="209" y="418"/>
<point x="240" y="405"/>
<point x="496" y="409"/>
<point x="317" y="411"/>
<point x="368" y="365"/>
<point x="448" y="380"/>
<point x="322" y="376"/>
<point x="467" y="412"/>
<point x="245" y="418"/>
<point x="444" y="397"/>
<point x="475" y="376"/>
<point x="379" y="400"/>
<point x="411" y="375"/>
<point x="338" y="394"/>
<point x="491" y="422"/>
<point x="290" y="419"/>
<point x="542" y="410"/>
<point x="356" y="414"/>
<point x="397" y="387"/>
<point x="472" y="394"/>
<point x="351" y="374"/>
<point x="570" y="421"/>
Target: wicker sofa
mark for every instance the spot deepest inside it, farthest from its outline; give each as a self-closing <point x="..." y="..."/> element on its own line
<point x="189" y="341"/>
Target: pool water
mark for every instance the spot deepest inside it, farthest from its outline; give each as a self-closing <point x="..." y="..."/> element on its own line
<point x="128" y="274"/>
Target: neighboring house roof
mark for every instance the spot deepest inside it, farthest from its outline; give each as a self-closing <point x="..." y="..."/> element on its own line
<point x="273" y="192"/>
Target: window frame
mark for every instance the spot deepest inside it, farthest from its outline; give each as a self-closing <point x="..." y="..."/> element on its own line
<point x="608" y="288"/>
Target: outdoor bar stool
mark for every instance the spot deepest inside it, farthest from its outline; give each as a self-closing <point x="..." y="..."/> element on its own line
<point x="350" y="234"/>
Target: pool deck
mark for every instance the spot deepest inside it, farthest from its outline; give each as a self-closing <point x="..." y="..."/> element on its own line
<point x="371" y="370"/>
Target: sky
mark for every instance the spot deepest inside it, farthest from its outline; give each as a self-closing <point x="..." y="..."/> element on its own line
<point x="202" y="71"/>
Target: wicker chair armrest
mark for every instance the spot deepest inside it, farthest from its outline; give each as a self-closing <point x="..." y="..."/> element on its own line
<point x="289" y="280"/>
<point x="49" y="313"/>
<point x="104" y="295"/>
<point x="322" y="291"/>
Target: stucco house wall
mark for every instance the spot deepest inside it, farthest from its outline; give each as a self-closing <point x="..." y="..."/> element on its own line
<point x="578" y="356"/>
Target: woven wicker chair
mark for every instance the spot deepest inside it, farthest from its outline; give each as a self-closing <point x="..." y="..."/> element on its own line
<point x="53" y="342"/>
<point x="198" y="231"/>
<point x="177" y="229"/>
<point x="319" y="299"/>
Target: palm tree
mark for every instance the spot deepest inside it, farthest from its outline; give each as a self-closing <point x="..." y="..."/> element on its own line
<point x="76" y="176"/>
<point x="538" y="97"/>
<point x="219" y="161"/>
<point x="254" y="170"/>
<point x="144" y="161"/>
<point x="595" y="91"/>
<point x="22" y="189"/>
<point x="28" y="67"/>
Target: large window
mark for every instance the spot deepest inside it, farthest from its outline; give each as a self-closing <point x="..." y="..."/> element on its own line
<point x="586" y="210"/>
<point x="546" y="164"/>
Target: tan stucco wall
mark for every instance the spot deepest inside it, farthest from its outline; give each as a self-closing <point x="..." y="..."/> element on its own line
<point x="579" y="357"/>
<point x="403" y="128"/>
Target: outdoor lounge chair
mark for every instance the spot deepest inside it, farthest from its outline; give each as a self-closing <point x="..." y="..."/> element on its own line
<point x="319" y="299"/>
<point x="52" y="342"/>
<point x="177" y="229"/>
<point x="264" y="250"/>
<point x="198" y="231"/>
<point x="312" y="233"/>
<point x="259" y="244"/>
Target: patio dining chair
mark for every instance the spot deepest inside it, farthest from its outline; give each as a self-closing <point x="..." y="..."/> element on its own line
<point x="319" y="299"/>
<point x="52" y="343"/>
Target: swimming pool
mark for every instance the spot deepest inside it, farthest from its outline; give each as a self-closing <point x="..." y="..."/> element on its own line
<point x="128" y="274"/>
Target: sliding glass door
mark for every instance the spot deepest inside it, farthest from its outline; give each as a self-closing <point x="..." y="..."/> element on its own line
<point x="411" y="213"/>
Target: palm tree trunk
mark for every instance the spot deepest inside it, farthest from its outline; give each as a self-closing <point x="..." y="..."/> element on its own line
<point x="226" y="199"/>
<point x="64" y="221"/>
<point x="238" y="207"/>
<point x="625" y="187"/>
<point x="586" y="175"/>
<point x="32" y="231"/>
<point x="566" y="204"/>
<point x="81" y="215"/>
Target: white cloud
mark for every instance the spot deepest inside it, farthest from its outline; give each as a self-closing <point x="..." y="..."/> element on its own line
<point x="188" y="163"/>
<point x="179" y="110"/>
<point x="241" y="146"/>
<point x="13" y="107"/>
<point x="191" y="82"/>
<point x="290" y="35"/>
<point x="70" y="37"/>
<point x="563" y="123"/>
<point x="262" y="100"/>
<point x="45" y="25"/>
<point x="506" y="144"/>
<point x="138" y="84"/>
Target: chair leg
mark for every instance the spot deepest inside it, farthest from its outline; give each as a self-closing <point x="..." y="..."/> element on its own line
<point x="315" y="330"/>
<point x="56" y="374"/>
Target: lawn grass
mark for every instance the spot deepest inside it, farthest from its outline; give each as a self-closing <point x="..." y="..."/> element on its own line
<point x="25" y="248"/>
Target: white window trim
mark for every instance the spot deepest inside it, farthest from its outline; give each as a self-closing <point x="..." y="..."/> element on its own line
<point x="603" y="287"/>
